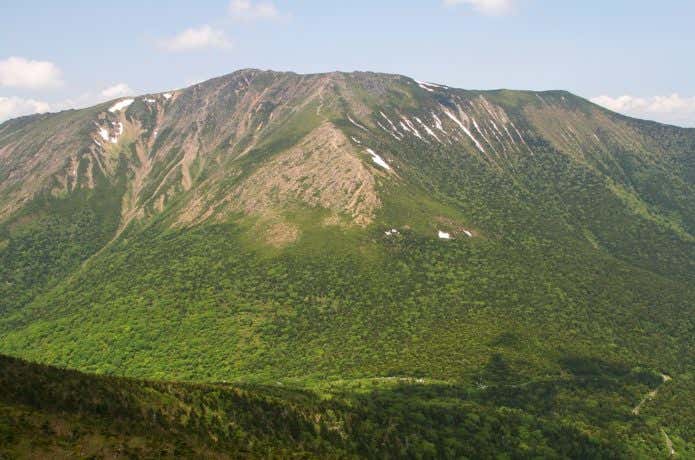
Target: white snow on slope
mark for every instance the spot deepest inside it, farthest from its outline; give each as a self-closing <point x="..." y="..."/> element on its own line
<point x="378" y="160"/>
<point x="396" y="133"/>
<point x="390" y="122"/>
<point x="423" y="85"/>
<point x="355" y="140"/>
<point x="519" y="134"/>
<point x="428" y="86"/>
<point x="494" y="125"/>
<point x="167" y="96"/>
<point x="412" y="128"/>
<point x="118" y="126"/>
<point x="356" y="124"/>
<point x="494" y="133"/>
<point x="469" y="234"/>
<point x="444" y="235"/>
<point x="508" y="133"/>
<point x="388" y="131"/>
<point x="480" y="131"/>
<point x="427" y="128"/>
<point x="118" y="106"/>
<point x="104" y="133"/>
<point x="463" y="128"/>
<point x="438" y="123"/>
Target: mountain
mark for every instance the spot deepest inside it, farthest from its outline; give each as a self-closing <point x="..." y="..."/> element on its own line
<point x="526" y="252"/>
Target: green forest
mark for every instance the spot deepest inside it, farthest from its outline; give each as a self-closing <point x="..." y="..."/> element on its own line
<point x="555" y="322"/>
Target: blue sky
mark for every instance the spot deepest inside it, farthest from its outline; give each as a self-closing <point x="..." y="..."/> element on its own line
<point x="633" y="56"/>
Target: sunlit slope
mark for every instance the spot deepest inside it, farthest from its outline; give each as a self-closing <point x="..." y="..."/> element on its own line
<point x="274" y="227"/>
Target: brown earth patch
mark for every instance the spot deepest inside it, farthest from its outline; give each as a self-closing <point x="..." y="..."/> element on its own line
<point x="280" y="234"/>
<point x="323" y="170"/>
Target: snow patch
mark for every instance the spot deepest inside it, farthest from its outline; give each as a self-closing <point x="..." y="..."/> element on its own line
<point x="508" y="133"/>
<point x="427" y="128"/>
<point x="438" y="123"/>
<point x="429" y="86"/>
<point x="391" y="232"/>
<point x="377" y="159"/>
<point x="412" y="128"/>
<point x="388" y="131"/>
<point x="397" y="133"/>
<point x="118" y="126"/>
<point x="118" y="106"/>
<point x="355" y="140"/>
<point x="389" y="121"/>
<point x="477" y="128"/>
<point x="423" y="85"/>
<point x="468" y="234"/>
<point x="444" y="235"/>
<point x="494" y="125"/>
<point x="104" y="133"/>
<point x="167" y="96"/>
<point x="463" y="128"/>
<point x="494" y="133"/>
<point x="356" y="124"/>
<point x="519" y="134"/>
<point x="149" y="100"/>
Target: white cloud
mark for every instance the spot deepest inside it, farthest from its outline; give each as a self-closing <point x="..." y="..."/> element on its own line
<point x="19" y="72"/>
<point x="490" y="7"/>
<point x="11" y="107"/>
<point x="195" y="39"/>
<point x="673" y="109"/>
<point x="117" y="90"/>
<point x="249" y="10"/>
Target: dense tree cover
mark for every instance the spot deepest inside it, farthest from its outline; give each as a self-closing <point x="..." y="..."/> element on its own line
<point x="535" y="338"/>
<point x="49" y="238"/>
<point x="214" y="309"/>
<point x="48" y="411"/>
<point x="549" y="344"/>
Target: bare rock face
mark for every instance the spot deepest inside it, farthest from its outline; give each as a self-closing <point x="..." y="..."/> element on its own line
<point x="324" y="170"/>
<point x="254" y="143"/>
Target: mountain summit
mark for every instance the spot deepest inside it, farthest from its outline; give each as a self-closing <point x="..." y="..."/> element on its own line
<point x="330" y="230"/>
<point x="253" y="141"/>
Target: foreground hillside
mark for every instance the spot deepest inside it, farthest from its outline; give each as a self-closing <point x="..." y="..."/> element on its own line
<point x="48" y="412"/>
<point x="522" y="254"/>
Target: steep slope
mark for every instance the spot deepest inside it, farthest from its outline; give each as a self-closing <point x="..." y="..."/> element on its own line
<point x="269" y="227"/>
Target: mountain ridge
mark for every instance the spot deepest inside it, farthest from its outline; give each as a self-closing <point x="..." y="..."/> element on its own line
<point x="334" y="230"/>
<point x="252" y="70"/>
